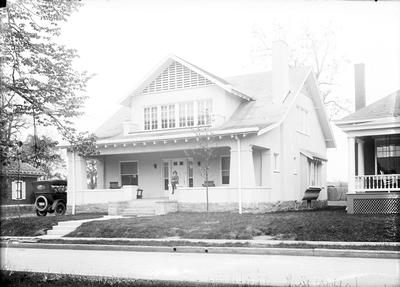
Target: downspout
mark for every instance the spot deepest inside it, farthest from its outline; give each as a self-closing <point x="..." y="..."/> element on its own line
<point x="239" y="174"/>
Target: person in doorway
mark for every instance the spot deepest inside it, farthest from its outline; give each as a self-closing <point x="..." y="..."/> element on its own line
<point x="174" y="180"/>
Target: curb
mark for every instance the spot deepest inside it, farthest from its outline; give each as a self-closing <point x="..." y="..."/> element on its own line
<point x="209" y="241"/>
<point x="320" y="252"/>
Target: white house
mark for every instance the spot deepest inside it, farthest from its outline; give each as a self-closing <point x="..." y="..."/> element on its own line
<point x="373" y="134"/>
<point x="269" y="133"/>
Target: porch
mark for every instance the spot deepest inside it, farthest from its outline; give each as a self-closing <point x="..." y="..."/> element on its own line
<point x="374" y="174"/>
<point x="236" y="174"/>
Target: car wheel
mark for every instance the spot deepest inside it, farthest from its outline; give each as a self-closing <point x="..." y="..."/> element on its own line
<point x="41" y="213"/>
<point x="60" y="208"/>
<point x="41" y="203"/>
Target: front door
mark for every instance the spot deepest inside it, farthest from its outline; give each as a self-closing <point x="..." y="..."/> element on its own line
<point x="183" y="170"/>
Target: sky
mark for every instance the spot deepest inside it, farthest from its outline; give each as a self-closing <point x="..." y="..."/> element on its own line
<point x="120" y="41"/>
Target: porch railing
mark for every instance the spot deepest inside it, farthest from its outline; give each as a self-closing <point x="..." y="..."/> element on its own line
<point x="381" y="182"/>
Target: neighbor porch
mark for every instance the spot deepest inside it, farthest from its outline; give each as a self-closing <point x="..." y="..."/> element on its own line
<point x="374" y="174"/>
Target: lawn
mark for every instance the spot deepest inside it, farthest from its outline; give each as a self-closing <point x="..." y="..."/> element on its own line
<point x="316" y="225"/>
<point x="29" y="226"/>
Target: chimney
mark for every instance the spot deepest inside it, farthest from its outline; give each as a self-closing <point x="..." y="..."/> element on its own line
<point x="359" y="85"/>
<point x="280" y="71"/>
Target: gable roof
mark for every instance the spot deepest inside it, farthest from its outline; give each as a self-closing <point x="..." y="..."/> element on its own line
<point x="24" y="169"/>
<point x="388" y="106"/>
<point x="257" y="113"/>
<point x="159" y="69"/>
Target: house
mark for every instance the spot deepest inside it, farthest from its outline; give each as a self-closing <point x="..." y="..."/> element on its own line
<point x="16" y="183"/>
<point x="269" y="133"/>
<point x="373" y="134"/>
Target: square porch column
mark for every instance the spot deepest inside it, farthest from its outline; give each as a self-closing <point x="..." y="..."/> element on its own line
<point x="351" y="164"/>
<point x="100" y="173"/>
<point x="77" y="180"/>
<point x="243" y="166"/>
<point x="360" y="157"/>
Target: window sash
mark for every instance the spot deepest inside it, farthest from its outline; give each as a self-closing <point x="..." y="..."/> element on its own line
<point x="129" y="173"/>
<point x="225" y="169"/>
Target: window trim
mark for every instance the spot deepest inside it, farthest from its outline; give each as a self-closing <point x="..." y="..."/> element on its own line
<point x="220" y="168"/>
<point x="137" y="166"/>
<point x="14" y="188"/>
<point x="317" y="168"/>
<point x="177" y="112"/>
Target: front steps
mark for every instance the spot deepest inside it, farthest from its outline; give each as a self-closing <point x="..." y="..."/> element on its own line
<point x="65" y="227"/>
<point x="142" y="207"/>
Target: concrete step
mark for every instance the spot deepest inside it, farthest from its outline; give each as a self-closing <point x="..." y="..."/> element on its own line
<point x="57" y="227"/>
<point x="59" y="232"/>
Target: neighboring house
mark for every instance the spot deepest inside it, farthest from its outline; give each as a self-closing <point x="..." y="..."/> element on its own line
<point x="270" y="133"/>
<point x="373" y="134"/>
<point x="16" y="183"/>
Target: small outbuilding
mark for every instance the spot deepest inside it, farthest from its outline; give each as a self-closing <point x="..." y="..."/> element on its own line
<point x="16" y="183"/>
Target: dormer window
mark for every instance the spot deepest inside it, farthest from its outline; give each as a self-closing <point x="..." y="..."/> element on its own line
<point x="204" y="113"/>
<point x="184" y="114"/>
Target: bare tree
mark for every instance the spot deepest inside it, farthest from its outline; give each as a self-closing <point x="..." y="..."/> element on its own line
<point x="204" y="151"/>
<point x="314" y="48"/>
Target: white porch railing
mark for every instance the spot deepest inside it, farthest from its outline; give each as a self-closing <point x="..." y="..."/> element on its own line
<point x="381" y="182"/>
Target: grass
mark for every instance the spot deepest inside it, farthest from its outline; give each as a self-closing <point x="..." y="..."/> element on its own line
<point x="29" y="226"/>
<point x="28" y="279"/>
<point x="316" y="225"/>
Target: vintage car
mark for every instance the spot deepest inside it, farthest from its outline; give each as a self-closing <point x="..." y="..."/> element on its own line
<point x="50" y="197"/>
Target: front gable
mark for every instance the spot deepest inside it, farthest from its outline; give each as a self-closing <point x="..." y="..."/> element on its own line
<point x="174" y="74"/>
<point x="174" y="77"/>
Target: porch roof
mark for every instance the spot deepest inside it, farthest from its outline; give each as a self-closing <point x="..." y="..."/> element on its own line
<point x="386" y="107"/>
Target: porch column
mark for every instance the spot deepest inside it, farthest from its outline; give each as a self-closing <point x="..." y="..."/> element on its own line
<point x="100" y="172"/>
<point x="77" y="180"/>
<point x="360" y="156"/>
<point x="351" y="164"/>
<point x="244" y="166"/>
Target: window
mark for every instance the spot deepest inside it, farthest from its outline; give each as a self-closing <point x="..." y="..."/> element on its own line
<point x="204" y="112"/>
<point x="185" y="112"/>
<point x="167" y="116"/>
<point x="129" y="173"/>
<point x="302" y="120"/>
<point x="18" y="190"/>
<point x="147" y="118"/>
<point x="154" y="119"/>
<point x="315" y="173"/>
<point x="190" y="172"/>
<point x="186" y="117"/>
<point x="388" y="156"/>
<point x="166" y="175"/>
<point x="150" y="118"/>
<point x="225" y="169"/>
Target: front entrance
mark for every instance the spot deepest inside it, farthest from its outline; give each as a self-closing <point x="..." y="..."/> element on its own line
<point x="184" y="170"/>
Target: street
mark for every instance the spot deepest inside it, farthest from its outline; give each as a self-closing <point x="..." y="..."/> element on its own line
<point x="228" y="268"/>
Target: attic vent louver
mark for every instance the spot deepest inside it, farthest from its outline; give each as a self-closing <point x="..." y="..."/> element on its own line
<point x="176" y="76"/>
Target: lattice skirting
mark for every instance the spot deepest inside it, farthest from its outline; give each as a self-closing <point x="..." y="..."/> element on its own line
<point x="376" y="205"/>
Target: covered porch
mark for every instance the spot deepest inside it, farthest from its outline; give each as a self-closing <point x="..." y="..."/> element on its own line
<point x="374" y="174"/>
<point x="236" y="172"/>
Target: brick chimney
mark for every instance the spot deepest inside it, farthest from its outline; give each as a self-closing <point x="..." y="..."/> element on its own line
<point x="280" y="71"/>
<point x="359" y="85"/>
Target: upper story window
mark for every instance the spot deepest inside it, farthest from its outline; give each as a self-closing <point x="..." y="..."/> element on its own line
<point x="204" y="112"/>
<point x="167" y="116"/>
<point x="303" y="123"/>
<point x="185" y="114"/>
